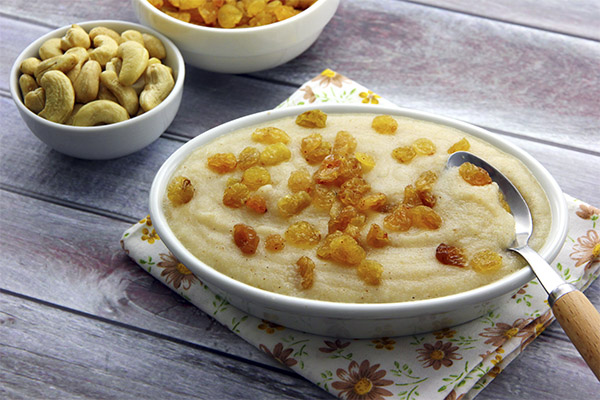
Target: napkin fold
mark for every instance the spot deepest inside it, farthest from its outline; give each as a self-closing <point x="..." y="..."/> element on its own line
<point x="452" y="363"/>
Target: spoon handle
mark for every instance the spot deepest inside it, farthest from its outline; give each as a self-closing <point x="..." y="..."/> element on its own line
<point x="581" y="322"/>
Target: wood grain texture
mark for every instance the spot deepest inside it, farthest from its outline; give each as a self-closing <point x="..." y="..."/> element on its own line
<point x="580" y="20"/>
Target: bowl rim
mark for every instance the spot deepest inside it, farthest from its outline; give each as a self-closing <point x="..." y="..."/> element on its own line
<point x="234" y="31"/>
<point x="366" y="311"/>
<point x="15" y="73"/>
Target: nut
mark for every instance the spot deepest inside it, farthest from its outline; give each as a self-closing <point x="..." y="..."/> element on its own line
<point x="63" y="63"/>
<point x="102" y="30"/>
<point x="132" y="34"/>
<point x="135" y="60"/>
<point x="29" y="65"/>
<point x="75" y="36"/>
<point x="82" y="57"/>
<point x="154" y="46"/>
<point x="114" y="65"/>
<point x="76" y="108"/>
<point x="159" y="83"/>
<point x="105" y="94"/>
<point x="35" y="100"/>
<point x="105" y="49"/>
<point x="50" y="48"/>
<point x="60" y="96"/>
<point x="100" y="112"/>
<point x="87" y="83"/>
<point x="27" y="84"/>
<point x="126" y="95"/>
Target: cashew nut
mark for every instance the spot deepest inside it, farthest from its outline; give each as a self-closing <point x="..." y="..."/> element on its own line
<point x="87" y="83"/>
<point x="135" y="60"/>
<point x="105" y="94"/>
<point x="140" y="84"/>
<point x="102" y="30"/>
<point x="154" y="46"/>
<point x="82" y="57"/>
<point x="106" y="49"/>
<point x="60" y="96"/>
<point x="132" y="34"/>
<point x="114" y="65"/>
<point x="100" y="112"/>
<point x="76" y="108"/>
<point x="75" y="36"/>
<point x="29" y="65"/>
<point x="126" y="95"/>
<point x="159" y="83"/>
<point x="35" y="100"/>
<point x="50" y="48"/>
<point x="27" y="84"/>
<point x="63" y="63"/>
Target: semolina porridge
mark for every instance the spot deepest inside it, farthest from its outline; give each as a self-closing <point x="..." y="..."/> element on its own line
<point x="355" y="208"/>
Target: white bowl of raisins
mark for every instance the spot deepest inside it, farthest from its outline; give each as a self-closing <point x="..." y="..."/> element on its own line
<point x="230" y="40"/>
<point x="330" y="317"/>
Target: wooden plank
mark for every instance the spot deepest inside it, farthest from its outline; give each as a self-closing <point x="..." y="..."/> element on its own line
<point x="575" y="18"/>
<point x="52" y="354"/>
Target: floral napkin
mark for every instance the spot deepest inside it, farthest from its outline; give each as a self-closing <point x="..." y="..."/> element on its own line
<point x="453" y="363"/>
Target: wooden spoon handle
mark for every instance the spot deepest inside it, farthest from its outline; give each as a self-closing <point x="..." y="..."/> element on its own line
<point x="581" y="322"/>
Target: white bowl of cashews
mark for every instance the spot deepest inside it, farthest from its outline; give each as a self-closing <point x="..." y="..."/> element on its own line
<point x="239" y="50"/>
<point x="99" y="89"/>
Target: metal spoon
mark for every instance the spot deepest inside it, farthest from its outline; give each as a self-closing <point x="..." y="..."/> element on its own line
<point x="577" y="316"/>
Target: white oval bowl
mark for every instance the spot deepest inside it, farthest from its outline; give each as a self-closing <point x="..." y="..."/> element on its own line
<point x="106" y="141"/>
<point x="242" y="50"/>
<point x="350" y="319"/>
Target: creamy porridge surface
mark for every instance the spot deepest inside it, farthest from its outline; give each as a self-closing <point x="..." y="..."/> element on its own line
<point x="472" y="217"/>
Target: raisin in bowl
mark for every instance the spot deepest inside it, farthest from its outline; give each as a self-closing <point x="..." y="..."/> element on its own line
<point x="343" y="221"/>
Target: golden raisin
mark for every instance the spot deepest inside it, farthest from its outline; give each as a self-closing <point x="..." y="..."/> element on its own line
<point x="235" y="196"/>
<point x="427" y="198"/>
<point x="229" y="16"/>
<point x="344" y="143"/>
<point x="503" y="202"/>
<point x="299" y="180"/>
<point x="399" y="220"/>
<point x="324" y="251"/>
<point x="450" y="255"/>
<point x="255" y="177"/>
<point x="411" y="197"/>
<point x="306" y="270"/>
<point x="180" y="191"/>
<point x="222" y="162"/>
<point x="346" y="250"/>
<point x="424" y="147"/>
<point x="336" y="169"/>
<point x="353" y="190"/>
<point x="486" y="261"/>
<point x="347" y="216"/>
<point x="370" y="272"/>
<point x="474" y="175"/>
<point x="377" y="237"/>
<point x="257" y="203"/>
<point x="248" y="158"/>
<point x="293" y="204"/>
<point x="462" y="145"/>
<point x="404" y="154"/>
<point x="312" y="119"/>
<point x="384" y="124"/>
<point x="274" y="242"/>
<point x="375" y="201"/>
<point x="314" y="149"/>
<point x="425" y="181"/>
<point x="323" y="197"/>
<point x="270" y="135"/>
<point x="274" y="154"/>
<point x="366" y="161"/>
<point x="246" y="238"/>
<point x="425" y="218"/>
<point x="302" y="234"/>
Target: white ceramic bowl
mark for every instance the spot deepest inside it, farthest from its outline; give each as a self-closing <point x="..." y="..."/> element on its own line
<point x="359" y="320"/>
<point x="106" y="141"/>
<point x="241" y="50"/>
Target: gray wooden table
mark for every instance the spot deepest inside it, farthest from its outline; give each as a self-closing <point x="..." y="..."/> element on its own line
<point x="78" y="319"/>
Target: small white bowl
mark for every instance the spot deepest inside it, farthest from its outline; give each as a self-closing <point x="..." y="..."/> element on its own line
<point x="106" y="141"/>
<point x="240" y="50"/>
<point x="349" y="319"/>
